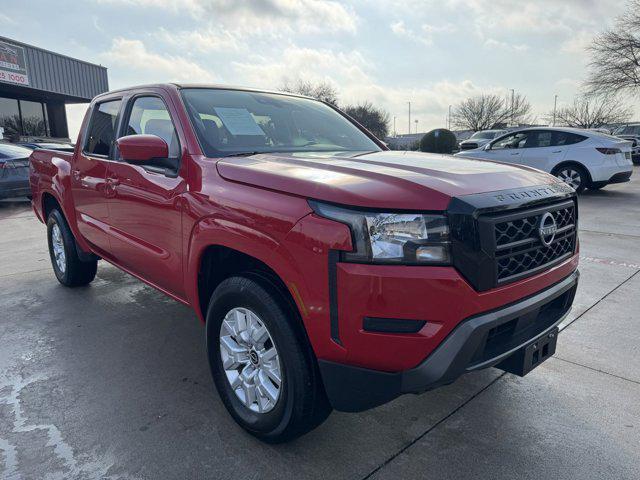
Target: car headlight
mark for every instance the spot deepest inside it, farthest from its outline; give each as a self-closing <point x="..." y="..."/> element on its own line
<point x="400" y="238"/>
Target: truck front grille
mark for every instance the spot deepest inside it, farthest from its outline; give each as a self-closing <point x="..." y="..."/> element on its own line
<point x="518" y="247"/>
<point x="496" y="237"/>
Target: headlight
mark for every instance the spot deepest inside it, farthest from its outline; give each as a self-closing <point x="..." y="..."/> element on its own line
<point x="405" y="238"/>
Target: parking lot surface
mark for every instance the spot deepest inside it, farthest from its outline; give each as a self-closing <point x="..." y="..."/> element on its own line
<point x="111" y="381"/>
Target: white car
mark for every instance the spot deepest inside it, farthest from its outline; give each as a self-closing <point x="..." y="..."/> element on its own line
<point x="581" y="158"/>
<point x="480" y="139"/>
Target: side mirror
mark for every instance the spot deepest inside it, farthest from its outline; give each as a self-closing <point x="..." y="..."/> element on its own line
<point x="487" y="147"/>
<point x="142" y="148"/>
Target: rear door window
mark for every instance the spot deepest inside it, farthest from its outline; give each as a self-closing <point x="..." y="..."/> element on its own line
<point x="102" y="128"/>
<point x="566" y="138"/>
<point x="538" y="139"/>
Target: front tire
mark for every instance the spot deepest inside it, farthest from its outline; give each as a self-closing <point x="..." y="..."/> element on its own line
<point x="67" y="266"/>
<point x="261" y="362"/>
<point x="573" y="175"/>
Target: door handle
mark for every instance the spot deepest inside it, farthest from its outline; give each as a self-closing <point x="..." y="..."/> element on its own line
<point x="557" y="151"/>
<point x="515" y="153"/>
<point x="110" y="186"/>
<point x="75" y="174"/>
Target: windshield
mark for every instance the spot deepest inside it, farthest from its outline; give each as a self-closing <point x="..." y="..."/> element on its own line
<point x="231" y="122"/>
<point x="628" y="130"/>
<point x="485" y="135"/>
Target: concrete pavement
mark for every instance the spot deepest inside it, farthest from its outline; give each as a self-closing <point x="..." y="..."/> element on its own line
<point x="111" y="381"/>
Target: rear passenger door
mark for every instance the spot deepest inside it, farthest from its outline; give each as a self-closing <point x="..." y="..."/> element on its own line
<point x="145" y="211"/>
<point x="89" y="171"/>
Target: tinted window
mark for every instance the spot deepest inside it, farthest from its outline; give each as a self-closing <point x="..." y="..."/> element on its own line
<point x="230" y="121"/>
<point x="539" y="139"/>
<point x="566" y="138"/>
<point x="10" y="117"/>
<point x="149" y="115"/>
<point x="102" y="128"/>
<point x="515" y="140"/>
<point x="33" y="119"/>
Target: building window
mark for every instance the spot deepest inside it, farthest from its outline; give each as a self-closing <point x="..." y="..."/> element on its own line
<point x="10" y="117"/>
<point x="33" y="122"/>
<point x="23" y="117"/>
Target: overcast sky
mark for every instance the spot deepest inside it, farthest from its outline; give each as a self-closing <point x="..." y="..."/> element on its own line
<point x="432" y="53"/>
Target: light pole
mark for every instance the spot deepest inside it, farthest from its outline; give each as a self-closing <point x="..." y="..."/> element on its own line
<point x="555" y="105"/>
<point x="416" y="120"/>
<point x="394" y="127"/>
<point x="449" y="119"/>
<point x="512" y="97"/>
<point x="409" y="129"/>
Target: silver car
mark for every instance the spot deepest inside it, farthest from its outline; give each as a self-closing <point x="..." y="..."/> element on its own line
<point x="14" y="171"/>
<point x="480" y="139"/>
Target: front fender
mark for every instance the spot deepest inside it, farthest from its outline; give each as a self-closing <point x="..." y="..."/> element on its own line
<point x="211" y="231"/>
<point x="300" y="259"/>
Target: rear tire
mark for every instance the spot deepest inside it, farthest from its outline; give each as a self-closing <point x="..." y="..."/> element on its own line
<point x="573" y="175"/>
<point x="275" y="407"/>
<point x="67" y="266"/>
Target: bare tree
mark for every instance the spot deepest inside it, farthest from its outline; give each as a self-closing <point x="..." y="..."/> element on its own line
<point x="615" y="56"/>
<point x="592" y="112"/>
<point x="374" y="119"/>
<point x="488" y="110"/>
<point x="322" y="91"/>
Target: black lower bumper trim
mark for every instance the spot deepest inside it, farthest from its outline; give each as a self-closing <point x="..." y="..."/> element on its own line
<point x="621" y="177"/>
<point x="478" y="342"/>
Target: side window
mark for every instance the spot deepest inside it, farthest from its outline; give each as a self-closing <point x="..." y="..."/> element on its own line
<point x="566" y="138"/>
<point x="516" y="140"/>
<point x="149" y="115"/>
<point x="539" y="139"/>
<point x="102" y="128"/>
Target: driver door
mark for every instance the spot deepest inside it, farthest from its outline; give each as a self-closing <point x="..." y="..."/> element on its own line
<point x="145" y="209"/>
<point x="508" y="149"/>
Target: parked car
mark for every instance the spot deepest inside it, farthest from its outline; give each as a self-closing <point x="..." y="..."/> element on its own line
<point x="480" y="139"/>
<point x="631" y="132"/>
<point x="606" y="131"/>
<point x="14" y="171"/>
<point x="289" y="230"/>
<point x="580" y="158"/>
<point x="61" y="146"/>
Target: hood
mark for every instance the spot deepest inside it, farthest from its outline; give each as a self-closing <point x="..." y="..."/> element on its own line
<point x="387" y="179"/>
<point x="478" y="141"/>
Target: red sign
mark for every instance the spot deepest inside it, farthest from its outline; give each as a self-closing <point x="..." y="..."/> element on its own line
<point x="13" y="64"/>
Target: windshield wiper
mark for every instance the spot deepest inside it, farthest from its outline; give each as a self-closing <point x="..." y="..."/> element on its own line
<point x="243" y="154"/>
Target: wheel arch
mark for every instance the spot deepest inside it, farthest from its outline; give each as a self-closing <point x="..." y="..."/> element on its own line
<point x="48" y="203"/>
<point x="568" y="163"/>
<point x="218" y="262"/>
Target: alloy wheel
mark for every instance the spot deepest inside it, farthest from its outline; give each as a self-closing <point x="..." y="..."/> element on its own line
<point x="571" y="177"/>
<point x="250" y="360"/>
<point x="57" y="244"/>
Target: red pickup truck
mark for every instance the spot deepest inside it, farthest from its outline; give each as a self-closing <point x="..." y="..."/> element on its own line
<point x="330" y="272"/>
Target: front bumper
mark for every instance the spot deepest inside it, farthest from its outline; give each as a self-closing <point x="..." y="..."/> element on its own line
<point x="478" y="342"/>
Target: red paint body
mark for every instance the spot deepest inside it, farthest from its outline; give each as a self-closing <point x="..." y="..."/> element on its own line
<point x="157" y="229"/>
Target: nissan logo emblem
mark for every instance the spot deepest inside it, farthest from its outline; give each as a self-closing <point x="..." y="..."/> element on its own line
<point x="547" y="229"/>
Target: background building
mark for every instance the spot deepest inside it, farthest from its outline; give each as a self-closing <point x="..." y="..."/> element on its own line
<point x="35" y="86"/>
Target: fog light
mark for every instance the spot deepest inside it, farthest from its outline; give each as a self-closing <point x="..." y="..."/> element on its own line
<point x="433" y="253"/>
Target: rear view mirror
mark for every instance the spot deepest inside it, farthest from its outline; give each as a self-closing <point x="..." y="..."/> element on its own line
<point x="142" y="148"/>
<point x="487" y="147"/>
